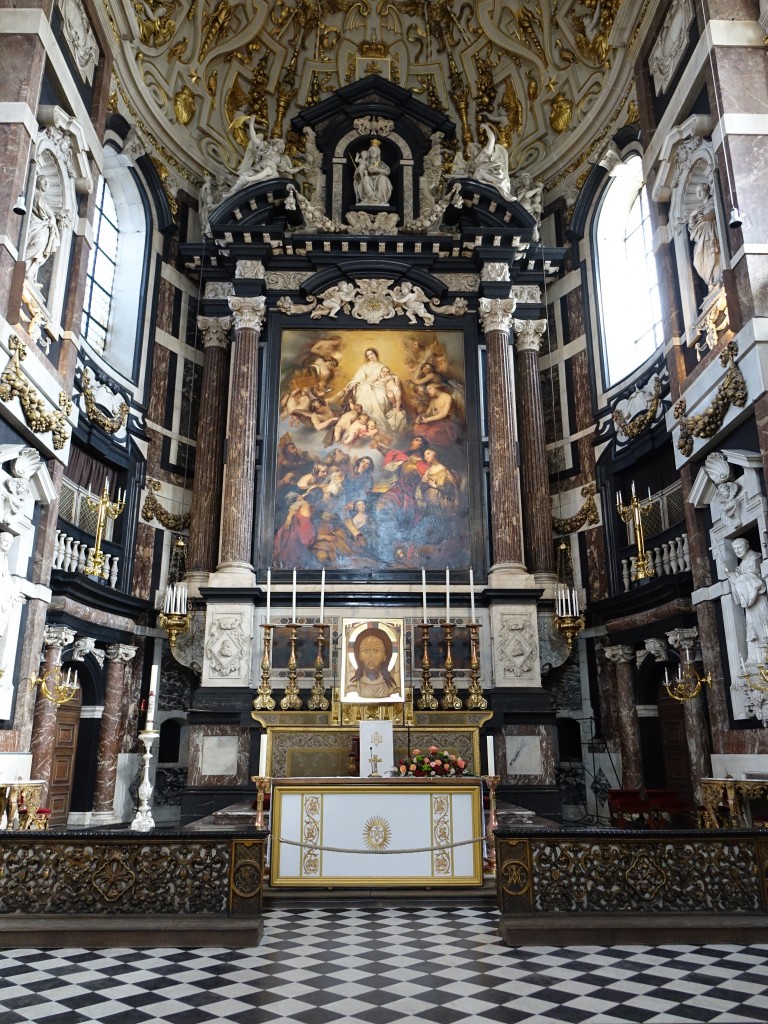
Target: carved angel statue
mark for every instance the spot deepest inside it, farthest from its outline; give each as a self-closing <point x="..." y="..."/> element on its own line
<point x="702" y="227"/>
<point x="491" y="164"/>
<point x="45" y="225"/>
<point x="264" y="159"/>
<point x="530" y="195"/>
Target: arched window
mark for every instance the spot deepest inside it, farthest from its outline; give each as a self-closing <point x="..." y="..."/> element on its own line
<point x="100" y="278"/>
<point x="628" y="286"/>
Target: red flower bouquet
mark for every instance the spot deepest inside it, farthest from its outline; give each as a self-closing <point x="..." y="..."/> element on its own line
<point x="433" y="762"/>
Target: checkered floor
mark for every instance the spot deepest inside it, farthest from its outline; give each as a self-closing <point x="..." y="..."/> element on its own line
<point x="386" y="967"/>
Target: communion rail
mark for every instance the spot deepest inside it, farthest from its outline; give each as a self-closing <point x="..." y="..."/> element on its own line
<point x="164" y="888"/>
<point x="570" y="886"/>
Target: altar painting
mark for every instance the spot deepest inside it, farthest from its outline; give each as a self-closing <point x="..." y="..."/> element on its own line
<point x="372" y="468"/>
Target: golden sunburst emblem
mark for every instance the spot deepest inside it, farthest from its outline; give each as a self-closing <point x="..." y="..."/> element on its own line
<point x="377" y="833"/>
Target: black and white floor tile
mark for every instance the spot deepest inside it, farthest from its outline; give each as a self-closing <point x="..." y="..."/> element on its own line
<point x="386" y="967"/>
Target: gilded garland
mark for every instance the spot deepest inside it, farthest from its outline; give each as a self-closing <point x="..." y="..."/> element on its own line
<point x="152" y="509"/>
<point x="110" y="424"/>
<point x="639" y="424"/>
<point x="13" y="384"/>
<point x="732" y="391"/>
<point x="587" y="514"/>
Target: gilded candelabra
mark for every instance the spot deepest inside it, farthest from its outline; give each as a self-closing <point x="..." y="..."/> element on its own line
<point x="292" y="701"/>
<point x="264" y="700"/>
<point x="318" y="700"/>
<point x="491" y="782"/>
<point x="475" y="701"/>
<point x="427" y="701"/>
<point x="106" y="509"/>
<point x="687" y="684"/>
<point x="175" y="617"/>
<point x="450" y="701"/>
<point x="749" y="677"/>
<point x="633" y="513"/>
<point x="569" y="622"/>
<point x="262" y="785"/>
<point x="56" y="687"/>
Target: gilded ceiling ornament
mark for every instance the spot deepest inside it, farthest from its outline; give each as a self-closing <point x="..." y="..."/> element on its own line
<point x="731" y="391"/>
<point x="217" y="27"/>
<point x="164" y="176"/>
<point x="587" y="515"/>
<point x="561" y="113"/>
<point x="528" y="29"/>
<point x="513" y="108"/>
<point x="184" y="105"/>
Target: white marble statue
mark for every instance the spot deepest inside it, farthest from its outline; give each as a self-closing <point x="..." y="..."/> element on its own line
<point x="748" y="590"/>
<point x="530" y="195"/>
<point x="491" y="164"/>
<point x="371" y="178"/>
<point x="9" y="588"/>
<point x="45" y="226"/>
<point x="313" y="161"/>
<point x="264" y="159"/>
<point x="702" y="227"/>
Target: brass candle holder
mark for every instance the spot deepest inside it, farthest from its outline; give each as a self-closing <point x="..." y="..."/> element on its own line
<point x="450" y="701"/>
<point x="475" y="701"/>
<point x="633" y="513"/>
<point x="264" y="700"/>
<point x="318" y="700"/>
<point x="105" y="509"/>
<point x="262" y="785"/>
<point x="491" y="782"/>
<point x="427" y="701"/>
<point x="292" y="701"/>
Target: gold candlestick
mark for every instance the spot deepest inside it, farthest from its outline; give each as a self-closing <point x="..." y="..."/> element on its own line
<point x="491" y="782"/>
<point x="292" y="701"/>
<point x="264" y="699"/>
<point x="475" y="701"/>
<point x="318" y="701"/>
<point x="634" y="512"/>
<point x="450" y="701"/>
<point x="105" y="509"/>
<point x="262" y="784"/>
<point x="427" y="701"/>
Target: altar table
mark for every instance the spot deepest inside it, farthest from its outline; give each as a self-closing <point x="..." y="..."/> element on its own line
<point x="385" y="832"/>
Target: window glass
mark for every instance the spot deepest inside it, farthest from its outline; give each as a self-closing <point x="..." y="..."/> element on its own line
<point x="628" y="285"/>
<point x="100" y="278"/>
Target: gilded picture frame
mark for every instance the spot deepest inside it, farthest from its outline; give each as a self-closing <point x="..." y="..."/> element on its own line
<point x="372" y="661"/>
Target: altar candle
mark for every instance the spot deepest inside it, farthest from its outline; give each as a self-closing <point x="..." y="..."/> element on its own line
<point x="269" y="592"/>
<point x="263" y="757"/>
<point x="472" y="593"/>
<point x="322" y="595"/>
<point x="293" y="611"/>
<point x="491" y="756"/>
<point x="619" y="499"/>
<point x="150" y="720"/>
<point x="424" y="595"/>
<point x="633" y="488"/>
<point x="106" y="485"/>
<point x="447" y="594"/>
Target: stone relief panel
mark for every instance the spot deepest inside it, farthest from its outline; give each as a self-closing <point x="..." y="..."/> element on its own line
<point x="515" y="649"/>
<point x="80" y="38"/>
<point x="226" y="646"/>
<point x="670" y="45"/>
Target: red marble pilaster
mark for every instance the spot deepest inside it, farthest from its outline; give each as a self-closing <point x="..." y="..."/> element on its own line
<point x="118" y="656"/>
<point x="506" y="515"/>
<point x="537" y="510"/>
<point x="239" y="479"/>
<point x="44" y="724"/>
<point x="623" y="656"/>
<point x="203" y="547"/>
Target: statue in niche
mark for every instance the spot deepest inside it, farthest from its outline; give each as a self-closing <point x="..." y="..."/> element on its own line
<point x="371" y="178"/>
<point x="702" y="227"/>
<point x="45" y="226"/>
<point x="9" y="588"/>
<point x="748" y="590"/>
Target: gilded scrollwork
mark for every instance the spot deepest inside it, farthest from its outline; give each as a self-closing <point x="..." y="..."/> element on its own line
<point x="731" y="391"/>
<point x="588" y="514"/>
<point x="14" y="384"/>
<point x="152" y="509"/>
<point x="110" y="424"/>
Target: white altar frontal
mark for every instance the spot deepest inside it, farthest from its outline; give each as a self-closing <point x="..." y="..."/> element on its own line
<point x="384" y="832"/>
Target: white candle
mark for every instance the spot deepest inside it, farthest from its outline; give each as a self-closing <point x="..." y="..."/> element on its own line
<point x="269" y="592"/>
<point x="322" y="595"/>
<point x="293" y="609"/>
<point x="263" y="757"/>
<point x="150" y="721"/>
<point x="472" y="593"/>
<point x="491" y="756"/>
<point x="633" y="488"/>
<point x="424" y="595"/>
<point x="575" y="602"/>
<point x="666" y="676"/>
<point x="106" y="486"/>
<point x="447" y="594"/>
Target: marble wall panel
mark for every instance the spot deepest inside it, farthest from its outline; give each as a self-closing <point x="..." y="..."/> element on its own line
<point x="527" y="755"/>
<point x="749" y="162"/>
<point x="563" y="684"/>
<point x="733" y="10"/>
<point x="141" y="585"/>
<point x="165" y="296"/>
<point x="582" y="394"/>
<point x="576" y="315"/>
<point x="198" y="761"/>
<point x="596" y="571"/>
<point x="176" y="684"/>
<point x="157" y="394"/>
<point x="743" y="81"/>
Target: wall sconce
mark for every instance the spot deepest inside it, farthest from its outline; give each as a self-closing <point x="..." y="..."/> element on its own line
<point x="56" y="687"/>
<point x="687" y="684"/>
<point x="568" y="620"/>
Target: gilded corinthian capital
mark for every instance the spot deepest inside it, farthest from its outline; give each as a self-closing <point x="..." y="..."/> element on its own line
<point x="496" y="314"/>
<point x="528" y="334"/>
<point x="215" y="330"/>
<point x="248" y="313"/>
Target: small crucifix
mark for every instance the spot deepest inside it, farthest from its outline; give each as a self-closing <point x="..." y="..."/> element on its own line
<point x="374" y="761"/>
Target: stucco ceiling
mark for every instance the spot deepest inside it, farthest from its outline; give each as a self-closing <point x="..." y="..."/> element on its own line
<point x="555" y="79"/>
